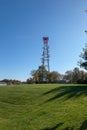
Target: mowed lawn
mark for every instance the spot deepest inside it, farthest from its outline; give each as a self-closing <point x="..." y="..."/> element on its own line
<point x="43" y="107"/>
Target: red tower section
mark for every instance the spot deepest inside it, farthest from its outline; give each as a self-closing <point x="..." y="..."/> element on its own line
<point x="45" y="54"/>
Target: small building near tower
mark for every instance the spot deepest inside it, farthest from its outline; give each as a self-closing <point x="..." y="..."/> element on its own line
<point x="3" y="84"/>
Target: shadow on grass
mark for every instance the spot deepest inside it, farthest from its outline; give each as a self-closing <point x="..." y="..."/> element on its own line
<point x="69" y="128"/>
<point x="82" y="127"/>
<point x="59" y="125"/>
<point x="55" y="127"/>
<point x="67" y="92"/>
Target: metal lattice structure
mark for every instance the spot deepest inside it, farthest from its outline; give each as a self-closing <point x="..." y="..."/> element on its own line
<point x="45" y="54"/>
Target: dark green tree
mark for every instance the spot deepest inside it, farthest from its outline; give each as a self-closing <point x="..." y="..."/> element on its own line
<point x="35" y="77"/>
<point x="68" y="76"/>
<point x="40" y="75"/>
<point x="54" y="77"/>
<point x="83" y="61"/>
<point x="75" y="75"/>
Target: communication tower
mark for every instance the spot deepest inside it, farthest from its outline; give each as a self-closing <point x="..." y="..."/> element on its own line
<point x="45" y="54"/>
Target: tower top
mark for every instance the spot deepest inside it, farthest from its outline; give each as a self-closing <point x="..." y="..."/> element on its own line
<point x="45" y="39"/>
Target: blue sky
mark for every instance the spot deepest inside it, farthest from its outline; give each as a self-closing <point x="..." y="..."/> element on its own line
<point x="23" y="23"/>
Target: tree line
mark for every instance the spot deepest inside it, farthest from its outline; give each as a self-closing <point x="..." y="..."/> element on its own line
<point x="11" y="81"/>
<point x="41" y="75"/>
<point x="71" y="76"/>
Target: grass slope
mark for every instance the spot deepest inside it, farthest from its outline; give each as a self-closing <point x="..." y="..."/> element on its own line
<point x="43" y="107"/>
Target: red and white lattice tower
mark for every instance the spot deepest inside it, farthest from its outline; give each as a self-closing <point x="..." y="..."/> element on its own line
<point x="45" y="54"/>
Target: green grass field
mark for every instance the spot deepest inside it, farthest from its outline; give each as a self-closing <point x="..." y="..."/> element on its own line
<point x="43" y="107"/>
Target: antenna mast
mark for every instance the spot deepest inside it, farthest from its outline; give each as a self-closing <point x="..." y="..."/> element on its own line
<point x="45" y="54"/>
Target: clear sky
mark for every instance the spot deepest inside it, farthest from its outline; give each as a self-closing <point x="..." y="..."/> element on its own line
<point x="23" y="23"/>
